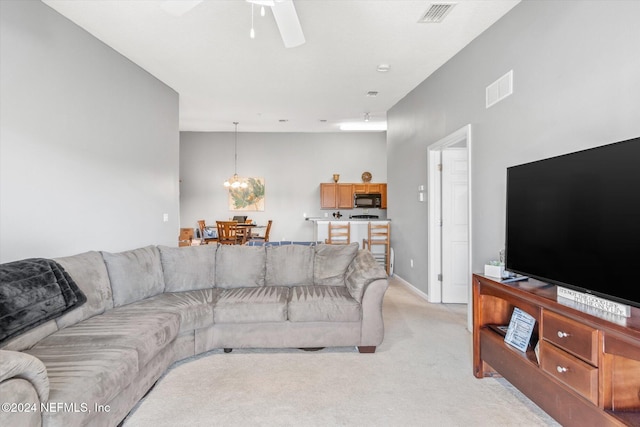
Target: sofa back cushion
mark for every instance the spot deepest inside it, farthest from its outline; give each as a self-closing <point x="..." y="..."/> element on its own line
<point x="239" y="266"/>
<point x="290" y="265"/>
<point x="188" y="268"/>
<point x="134" y="274"/>
<point x="331" y="262"/>
<point x="90" y="274"/>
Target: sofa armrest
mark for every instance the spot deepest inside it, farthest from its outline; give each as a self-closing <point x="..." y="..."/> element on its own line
<point x="362" y="271"/>
<point x="372" y="321"/>
<point x="367" y="282"/>
<point x="18" y="365"/>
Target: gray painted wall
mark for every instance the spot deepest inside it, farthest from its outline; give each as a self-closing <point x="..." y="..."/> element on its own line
<point x="89" y="142"/>
<point x="576" y="86"/>
<point x="292" y="164"/>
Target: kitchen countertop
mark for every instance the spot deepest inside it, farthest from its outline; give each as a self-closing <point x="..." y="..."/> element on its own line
<point x="343" y="219"/>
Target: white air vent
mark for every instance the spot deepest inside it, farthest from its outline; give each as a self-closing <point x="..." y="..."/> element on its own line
<point x="436" y="13"/>
<point x="500" y="89"/>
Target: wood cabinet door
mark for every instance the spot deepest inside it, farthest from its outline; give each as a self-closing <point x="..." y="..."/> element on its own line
<point x="360" y="188"/>
<point x="383" y="199"/>
<point x="374" y="188"/>
<point x="328" y="196"/>
<point x="345" y="196"/>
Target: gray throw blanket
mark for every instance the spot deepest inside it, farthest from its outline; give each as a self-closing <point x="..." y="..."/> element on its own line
<point x="33" y="291"/>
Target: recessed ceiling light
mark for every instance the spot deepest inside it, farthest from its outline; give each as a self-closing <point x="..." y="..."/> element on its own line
<point x="364" y="126"/>
<point x="372" y="93"/>
<point x="383" y="68"/>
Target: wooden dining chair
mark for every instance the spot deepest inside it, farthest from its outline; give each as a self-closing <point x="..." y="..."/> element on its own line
<point x="339" y="233"/>
<point x="379" y="234"/>
<point x="203" y="233"/>
<point x="263" y="238"/>
<point x="227" y="232"/>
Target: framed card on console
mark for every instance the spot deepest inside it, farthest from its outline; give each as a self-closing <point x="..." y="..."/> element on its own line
<point x="520" y="329"/>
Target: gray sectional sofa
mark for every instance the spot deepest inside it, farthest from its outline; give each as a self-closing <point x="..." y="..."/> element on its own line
<point x="150" y="307"/>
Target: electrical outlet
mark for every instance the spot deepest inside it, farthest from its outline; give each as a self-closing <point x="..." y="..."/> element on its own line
<point x="411" y="263"/>
<point x="165" y="217"/>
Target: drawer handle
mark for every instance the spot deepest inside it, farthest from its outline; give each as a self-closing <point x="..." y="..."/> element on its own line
<point x="561" y="369"/>
<point x="563" y="334"/>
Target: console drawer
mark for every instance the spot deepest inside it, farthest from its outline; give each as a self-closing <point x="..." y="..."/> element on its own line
<point x="576" y="338"/>
<point x="578" y="375"/>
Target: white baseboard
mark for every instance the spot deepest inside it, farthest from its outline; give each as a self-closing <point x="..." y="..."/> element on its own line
<point x="412" y="288"/>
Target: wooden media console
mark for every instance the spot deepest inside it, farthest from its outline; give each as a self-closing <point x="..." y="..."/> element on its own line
<point x="587" y="368"/>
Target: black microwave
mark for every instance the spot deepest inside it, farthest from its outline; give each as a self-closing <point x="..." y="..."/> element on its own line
<point x="367" y="200"/>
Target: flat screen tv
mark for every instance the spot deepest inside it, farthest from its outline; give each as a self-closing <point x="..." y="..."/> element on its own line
<point x="574" y="221"/>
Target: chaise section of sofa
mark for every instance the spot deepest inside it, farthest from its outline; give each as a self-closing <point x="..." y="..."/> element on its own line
<point x="149" y="307"/>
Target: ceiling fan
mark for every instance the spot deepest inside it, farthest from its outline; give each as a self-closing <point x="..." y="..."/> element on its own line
<point x="284" y="13"/>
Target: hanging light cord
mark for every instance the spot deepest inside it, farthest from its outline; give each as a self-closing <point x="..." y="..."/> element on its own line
<point x="235" y="167"/>
<point x="252" y="33"/>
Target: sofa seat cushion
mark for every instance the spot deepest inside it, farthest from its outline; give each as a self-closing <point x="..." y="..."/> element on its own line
<point x="85" y="375"/>
<point x="145" y="332"/>
<point x="247" y="305"/>
<point x="195" y="308"/>
<point x="322" y="304"/>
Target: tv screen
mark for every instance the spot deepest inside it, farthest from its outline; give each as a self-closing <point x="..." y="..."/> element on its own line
<point x="574" y="220"/>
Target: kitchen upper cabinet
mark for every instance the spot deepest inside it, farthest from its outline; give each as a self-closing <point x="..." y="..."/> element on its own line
<point x="368" y="188"/>
<point x="340" y="196"/>
<point x="336" y="196"/>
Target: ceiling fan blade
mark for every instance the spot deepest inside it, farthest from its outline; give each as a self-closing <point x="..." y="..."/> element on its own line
<point x="288" y="23"/>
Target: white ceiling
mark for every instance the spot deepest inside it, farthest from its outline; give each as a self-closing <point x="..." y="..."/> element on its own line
<point x="223" y="76"/>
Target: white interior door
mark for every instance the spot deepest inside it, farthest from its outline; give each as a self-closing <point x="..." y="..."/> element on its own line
<point x="455" y="226"/>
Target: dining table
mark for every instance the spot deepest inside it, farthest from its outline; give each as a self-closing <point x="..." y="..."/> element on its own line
<point x="244" y="232"/>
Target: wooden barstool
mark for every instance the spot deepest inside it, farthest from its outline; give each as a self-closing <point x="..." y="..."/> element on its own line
<point x="379" y="234"/>
<point x="339" y="233"/>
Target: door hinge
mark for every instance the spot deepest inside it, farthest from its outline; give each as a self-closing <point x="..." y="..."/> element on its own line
<point x="440" y="167"/>
<point x="440" y="222"/>
<point x="439" y="277"/>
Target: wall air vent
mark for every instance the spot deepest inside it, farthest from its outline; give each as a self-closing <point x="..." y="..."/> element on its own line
<point x="436" y="13"/>
<point x="500" y="89"/>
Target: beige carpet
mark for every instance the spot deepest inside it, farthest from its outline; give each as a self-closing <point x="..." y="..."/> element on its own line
<point x="421" y="375"/>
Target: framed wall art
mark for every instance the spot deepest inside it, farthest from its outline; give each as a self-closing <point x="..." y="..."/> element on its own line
<point x="250" y="198"/>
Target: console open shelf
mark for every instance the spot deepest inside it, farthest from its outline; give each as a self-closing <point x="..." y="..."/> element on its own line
<point x="588" y="369"/>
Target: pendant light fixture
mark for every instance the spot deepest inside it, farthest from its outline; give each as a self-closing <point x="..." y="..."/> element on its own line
<point x="234" y="181"/>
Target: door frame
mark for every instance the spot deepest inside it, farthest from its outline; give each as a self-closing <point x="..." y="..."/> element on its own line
<point x="434" y="251"/>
